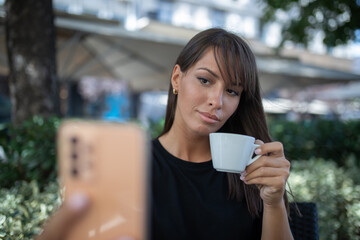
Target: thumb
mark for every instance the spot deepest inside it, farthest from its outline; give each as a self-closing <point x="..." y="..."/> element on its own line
<point x="66" y="217"/>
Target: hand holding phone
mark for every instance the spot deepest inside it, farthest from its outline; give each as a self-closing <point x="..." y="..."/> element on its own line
<point x="108" y="162"/>
<point x="65" y="218"/>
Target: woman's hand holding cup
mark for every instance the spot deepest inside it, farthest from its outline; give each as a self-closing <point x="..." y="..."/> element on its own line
<point x="270" y="172"/>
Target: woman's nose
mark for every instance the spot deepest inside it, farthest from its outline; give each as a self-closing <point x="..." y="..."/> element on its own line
<point x="216" y="98"/>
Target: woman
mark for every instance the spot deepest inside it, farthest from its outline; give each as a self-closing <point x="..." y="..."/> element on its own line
<point x="214" y="87"/>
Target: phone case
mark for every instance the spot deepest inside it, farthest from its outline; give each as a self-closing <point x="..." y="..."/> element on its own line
<point x="109" y="162"/>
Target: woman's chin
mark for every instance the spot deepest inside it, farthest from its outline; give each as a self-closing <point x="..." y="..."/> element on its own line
<point x="205" y="131"/>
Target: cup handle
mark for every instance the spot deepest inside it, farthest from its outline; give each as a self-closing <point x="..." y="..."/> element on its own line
<point x="254" y="158"/>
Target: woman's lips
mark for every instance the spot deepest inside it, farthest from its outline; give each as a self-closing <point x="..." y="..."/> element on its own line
<point x="210" y="118"/>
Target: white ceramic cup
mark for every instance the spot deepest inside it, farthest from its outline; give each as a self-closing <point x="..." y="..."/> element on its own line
<point x="232" y="152"/>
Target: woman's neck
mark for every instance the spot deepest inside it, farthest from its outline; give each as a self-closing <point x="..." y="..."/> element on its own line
<point x="186" y="146"/>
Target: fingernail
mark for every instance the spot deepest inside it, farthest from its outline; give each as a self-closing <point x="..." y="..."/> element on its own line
<point x="242" y="177"/>
<point x="258" y="151"/>
<point x="78" y="201"/>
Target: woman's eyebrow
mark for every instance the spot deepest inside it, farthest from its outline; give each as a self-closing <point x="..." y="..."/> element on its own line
<point x="211" y="72"/>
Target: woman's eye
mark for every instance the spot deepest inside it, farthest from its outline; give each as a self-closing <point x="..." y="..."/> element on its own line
<point x="204" y="81"/>
<point x="233" y="92"/>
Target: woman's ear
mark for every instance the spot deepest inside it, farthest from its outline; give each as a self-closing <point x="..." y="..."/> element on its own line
<point x="176" y="76"/>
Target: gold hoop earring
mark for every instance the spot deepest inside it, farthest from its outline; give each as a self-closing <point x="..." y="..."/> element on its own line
<point x="175" y="91"/>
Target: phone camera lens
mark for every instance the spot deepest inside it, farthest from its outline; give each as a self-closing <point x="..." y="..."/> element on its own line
<point x="74" y="172"/>
<point x="74" y="140"/>
<point x="74" y="156"/>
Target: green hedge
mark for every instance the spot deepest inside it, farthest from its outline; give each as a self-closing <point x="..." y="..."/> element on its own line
<point x="326" y="139"/>
<point x="30" y="151"/>
<point x="335" y="190"/>
<point x="24" y="209"/>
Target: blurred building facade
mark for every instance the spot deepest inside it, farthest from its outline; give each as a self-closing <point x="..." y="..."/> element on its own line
<point x="131" y="45"/>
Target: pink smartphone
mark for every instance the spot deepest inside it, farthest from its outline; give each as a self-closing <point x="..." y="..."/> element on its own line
<point x="109" y="162"/>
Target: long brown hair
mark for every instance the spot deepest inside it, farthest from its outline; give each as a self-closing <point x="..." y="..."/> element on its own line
<point x="237" y="64"/>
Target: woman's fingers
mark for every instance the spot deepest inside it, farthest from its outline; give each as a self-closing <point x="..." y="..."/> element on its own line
<point x="272" y="156"/>
<point x="258" y="141"/>
<point x="270" y="172"/>
<point x="277" y="183"/>
<point x="264" y="175"/>
<point x="273" y="148"/>
<point x="266" y="172"/>
<point x="65" y="218"/>
<point x="268" y="161"/>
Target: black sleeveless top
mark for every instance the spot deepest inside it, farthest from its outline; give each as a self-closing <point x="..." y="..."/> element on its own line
<point x="190" y="201"/>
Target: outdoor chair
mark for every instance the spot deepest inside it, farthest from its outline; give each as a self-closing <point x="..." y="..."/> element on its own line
<point x="304" y="226"/>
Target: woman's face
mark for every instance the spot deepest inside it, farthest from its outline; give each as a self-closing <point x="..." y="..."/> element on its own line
<point x="205" y="102"/>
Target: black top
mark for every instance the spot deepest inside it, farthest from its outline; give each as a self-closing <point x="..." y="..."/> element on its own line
<point x="190" y="201"/>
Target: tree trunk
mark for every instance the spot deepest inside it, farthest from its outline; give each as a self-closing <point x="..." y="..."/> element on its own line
<point x="30" y="40"/>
